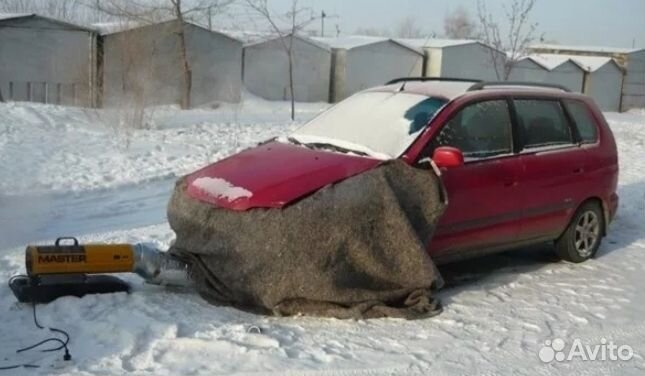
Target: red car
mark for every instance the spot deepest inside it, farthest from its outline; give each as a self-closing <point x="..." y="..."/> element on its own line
<point x="522" y="163"/>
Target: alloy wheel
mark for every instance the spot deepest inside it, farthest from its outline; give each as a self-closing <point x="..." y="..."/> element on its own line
<point x="587" y="233"/>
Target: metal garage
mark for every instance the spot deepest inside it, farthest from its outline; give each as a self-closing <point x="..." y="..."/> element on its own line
<point x="632" y="60"/>
<point x="603" y="80"/>
<point x="528" y="69"/>
<point x="360" y="62"/>
<point x="45" y="60"/>
<point x="553" y="69"/>
<point x="143" y="65"/>
<point x="459" y="58"/>
<point x="266" y="69"/>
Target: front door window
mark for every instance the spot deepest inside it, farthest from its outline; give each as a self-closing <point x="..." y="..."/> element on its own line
<point x="480" y="130"/>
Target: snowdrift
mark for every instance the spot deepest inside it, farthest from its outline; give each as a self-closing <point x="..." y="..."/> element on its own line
<point x="356" y="249"/>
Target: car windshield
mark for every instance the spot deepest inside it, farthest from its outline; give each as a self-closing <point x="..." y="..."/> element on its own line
<point x="377" y="124"/>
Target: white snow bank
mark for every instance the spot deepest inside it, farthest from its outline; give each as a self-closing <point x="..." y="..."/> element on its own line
<point x="45" y="148"/>
<point x="220" y="188"/>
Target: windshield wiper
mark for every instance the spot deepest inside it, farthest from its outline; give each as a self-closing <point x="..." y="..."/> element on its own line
<point x="294" y="141"/>
<point x="340" y="149"/>
<point x="326" y="145"/>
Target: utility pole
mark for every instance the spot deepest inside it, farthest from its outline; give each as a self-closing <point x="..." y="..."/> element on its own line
<point x="323" y="15"/>
<point x="210" y="19"/>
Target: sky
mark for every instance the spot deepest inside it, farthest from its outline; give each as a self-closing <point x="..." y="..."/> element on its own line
<point x="616" y="23"/>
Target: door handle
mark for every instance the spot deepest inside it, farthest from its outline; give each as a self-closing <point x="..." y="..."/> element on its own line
<point x="579" y="170"/>
<point x="510" y="183"/>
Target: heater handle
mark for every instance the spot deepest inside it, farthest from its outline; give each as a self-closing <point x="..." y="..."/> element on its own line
<point x="59" y="240"/>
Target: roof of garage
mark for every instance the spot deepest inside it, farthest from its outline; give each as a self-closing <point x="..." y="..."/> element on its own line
<point x="268" y="37"/>
<point x="7" y="17"/>
<point x="599" y="49"/>
<point x="355" y="41"/>
<point x="586" y="63"/>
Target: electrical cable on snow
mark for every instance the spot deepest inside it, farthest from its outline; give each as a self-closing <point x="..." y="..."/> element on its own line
<point x="18" y="366"/>
<point x="63" y="344"/>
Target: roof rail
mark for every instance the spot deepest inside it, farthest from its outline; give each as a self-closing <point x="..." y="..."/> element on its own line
<point x="484" y="85"/>
<point x="425" y="79"/>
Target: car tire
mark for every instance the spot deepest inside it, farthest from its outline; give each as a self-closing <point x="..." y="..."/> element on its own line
<point x="582" y="238"/>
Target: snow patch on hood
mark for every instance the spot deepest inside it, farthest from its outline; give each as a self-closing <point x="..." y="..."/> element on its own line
<point x="220" y="188"/>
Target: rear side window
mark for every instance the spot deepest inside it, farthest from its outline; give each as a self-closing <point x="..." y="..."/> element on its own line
<point x="542" y="123"/>
<point x="584" y="121"/>
<point x="480" y="130"/>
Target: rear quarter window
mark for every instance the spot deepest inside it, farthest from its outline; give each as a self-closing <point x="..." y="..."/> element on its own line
<point x="584" y="121"/>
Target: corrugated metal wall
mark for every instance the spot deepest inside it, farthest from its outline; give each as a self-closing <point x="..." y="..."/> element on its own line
<point x="633" y="63"/>
<point x="528" y="70"/>
<point x="375" y="64"/>
<point x="43" y="61"/>
<point x="266" y="71"/>
<point x="604" y="86"/>
<point x="634" y="85"/>
<point x="568" y="75"/>
<point x="144" y="66"/>
<point x="469" y="61"/>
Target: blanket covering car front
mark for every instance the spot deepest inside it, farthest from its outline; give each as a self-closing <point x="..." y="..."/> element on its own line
<point x="355" y="249"/>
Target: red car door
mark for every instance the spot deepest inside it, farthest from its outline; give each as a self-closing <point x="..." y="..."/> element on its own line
<point x="553" y="167"/>
<point x="484" y="195"/>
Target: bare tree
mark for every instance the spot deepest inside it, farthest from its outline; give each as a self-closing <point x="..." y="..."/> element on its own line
<point x="148" y="12"/>
<point x="408" y="28"/>
<point x="186" y="69"/>
<point x="459" y="24"/>
<point x="71" y="11"/>
<point x="285" y="27"/>
<point x="516" y="40"/>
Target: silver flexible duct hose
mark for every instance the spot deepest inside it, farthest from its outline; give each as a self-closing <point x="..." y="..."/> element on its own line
<point x="160" y="268"/>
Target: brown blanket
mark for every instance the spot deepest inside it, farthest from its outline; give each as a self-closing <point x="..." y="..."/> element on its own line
<point x="356" y="249"/>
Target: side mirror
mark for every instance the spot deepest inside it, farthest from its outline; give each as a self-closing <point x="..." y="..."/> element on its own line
<point x="448" y="157"/>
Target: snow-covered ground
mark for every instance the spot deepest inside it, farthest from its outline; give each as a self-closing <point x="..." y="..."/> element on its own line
<point x="66" y="171"/>
<point x="61" y="149"/>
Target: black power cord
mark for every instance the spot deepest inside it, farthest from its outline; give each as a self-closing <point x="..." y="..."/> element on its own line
<point x="55" y="330"/>
<point x="19" y="366"/>
<point x="63" y="344"/>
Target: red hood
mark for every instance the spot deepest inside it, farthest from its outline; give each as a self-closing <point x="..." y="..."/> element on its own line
<point x="272" y="175"/>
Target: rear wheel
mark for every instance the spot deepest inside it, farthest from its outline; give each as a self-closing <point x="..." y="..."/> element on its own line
<point x="582" y="238"/>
